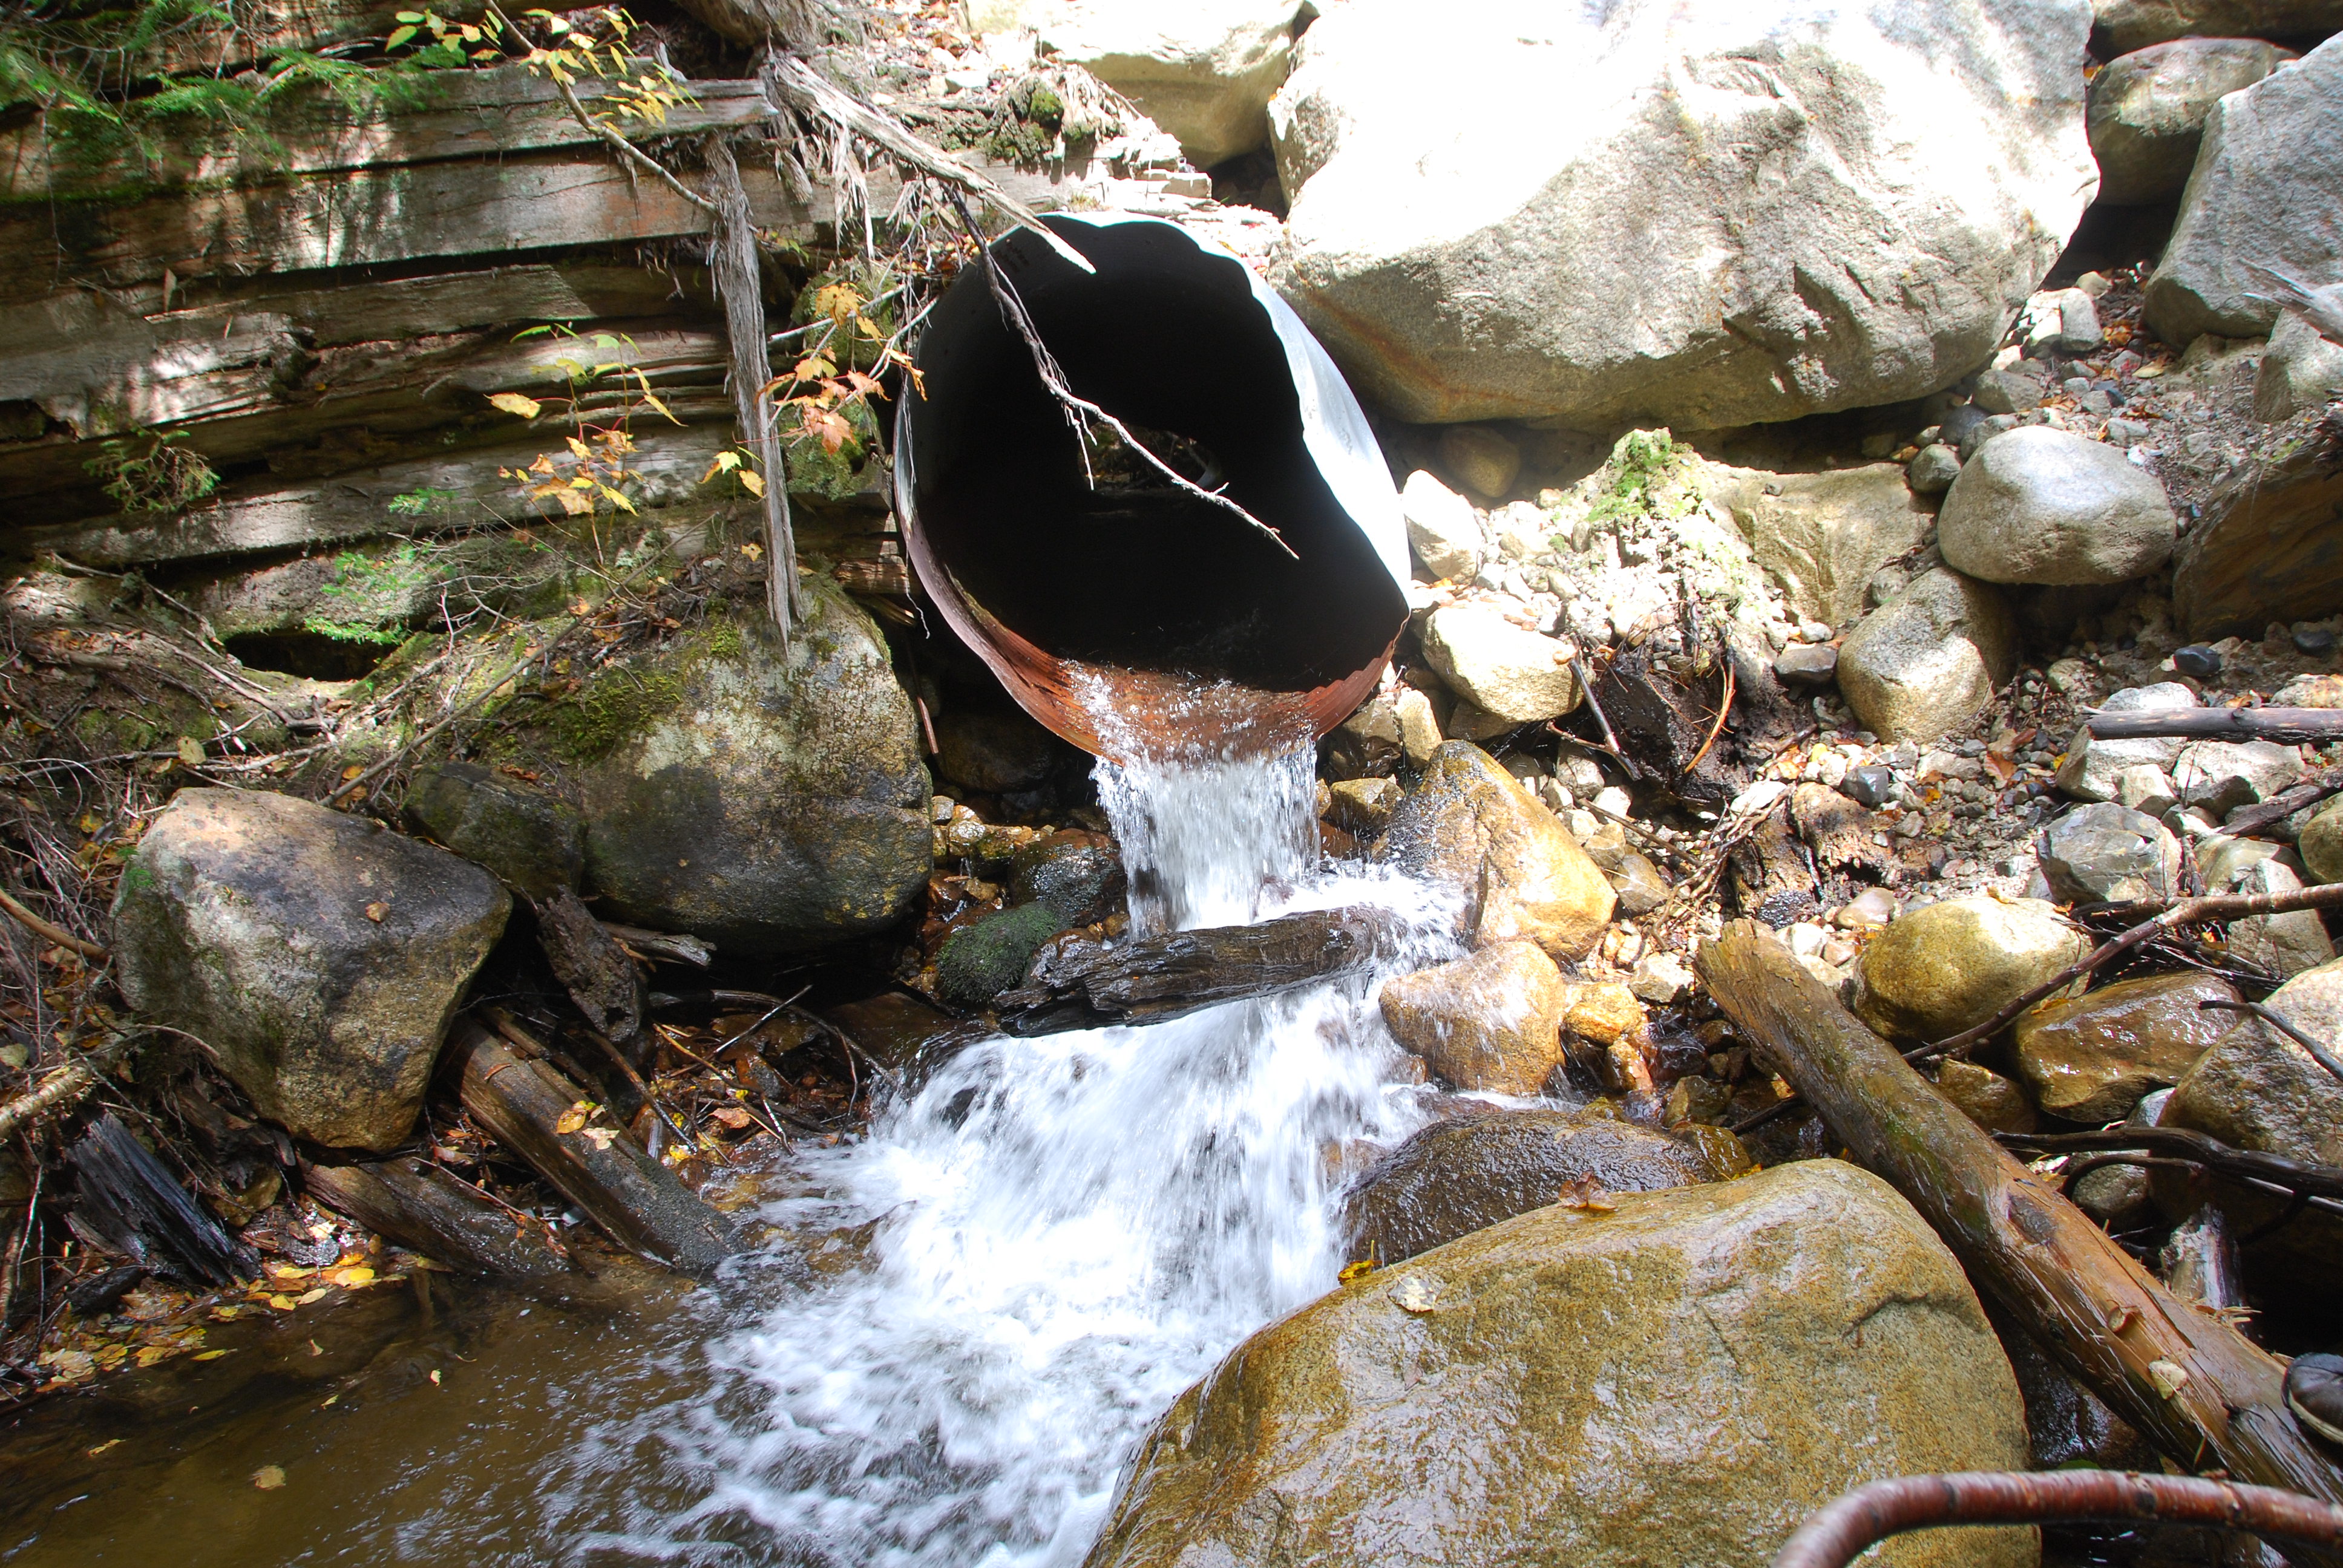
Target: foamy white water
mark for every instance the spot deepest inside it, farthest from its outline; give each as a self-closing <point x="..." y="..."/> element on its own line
<point x="1063" y="1233"/>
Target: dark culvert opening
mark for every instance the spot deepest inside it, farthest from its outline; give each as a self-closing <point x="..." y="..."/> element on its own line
<point x="1132" y="574"/>
<point x="312" y="655"/>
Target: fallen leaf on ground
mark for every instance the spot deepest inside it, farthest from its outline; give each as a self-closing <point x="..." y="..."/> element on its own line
<point x="268" y="1477"/>
<point x="101" y="1448"/>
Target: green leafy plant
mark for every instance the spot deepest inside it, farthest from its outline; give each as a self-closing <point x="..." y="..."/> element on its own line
<point x="165" y="477"/>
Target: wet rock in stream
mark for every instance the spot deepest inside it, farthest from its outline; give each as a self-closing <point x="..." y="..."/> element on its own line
<point x="1578" y="1384"/>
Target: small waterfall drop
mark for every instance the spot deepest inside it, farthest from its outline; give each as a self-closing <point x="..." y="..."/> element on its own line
<point x="1059" y="1235"/>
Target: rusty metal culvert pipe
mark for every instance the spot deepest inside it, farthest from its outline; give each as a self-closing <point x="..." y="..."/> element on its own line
<point x="1088" y="581"/>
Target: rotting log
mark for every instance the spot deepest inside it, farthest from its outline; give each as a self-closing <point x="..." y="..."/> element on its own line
<point x="426" y="1211"/>
<point x="132" y="1204"/>
<point x="2288" y="726"/>
<point x="593" y="966"/>
<point x="2187" y="1379"/>
<point x="1157" y="978"/>
<point x="526" y="1105"/>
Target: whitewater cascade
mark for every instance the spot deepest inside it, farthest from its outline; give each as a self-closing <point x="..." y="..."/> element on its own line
<point x="1063" y="1233"/>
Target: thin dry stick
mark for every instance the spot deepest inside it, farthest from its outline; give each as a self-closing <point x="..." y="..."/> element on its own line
<point x="1078" y="408"/>
<point x="49" y="929"/>
<point x="2326" y="895"/>
<point x="798" y="85"/>
<point x="2318" y="1053"/>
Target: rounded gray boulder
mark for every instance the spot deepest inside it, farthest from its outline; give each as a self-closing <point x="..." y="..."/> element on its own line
<point x="2043" y="506"/>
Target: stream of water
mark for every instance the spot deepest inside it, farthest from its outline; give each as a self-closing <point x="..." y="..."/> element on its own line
<point x="1069" y="1231"/>
<point x="1040" y="1248"/>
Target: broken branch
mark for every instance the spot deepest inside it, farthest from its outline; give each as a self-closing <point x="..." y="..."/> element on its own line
<point x="48" y="930"/>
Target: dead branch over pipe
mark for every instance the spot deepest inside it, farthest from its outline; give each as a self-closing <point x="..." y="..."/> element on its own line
<point x="2196" y="1385"/>
<point x="1833" y="1534"/>
<point x="2288" y="726"/>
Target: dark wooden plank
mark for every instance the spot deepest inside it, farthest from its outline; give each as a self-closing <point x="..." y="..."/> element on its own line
<point x="2189" y="1380"/>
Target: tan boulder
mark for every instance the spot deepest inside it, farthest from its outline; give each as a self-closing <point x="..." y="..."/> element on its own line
<point x="1679" y="1379"/>
<point x="1948" y="967"/>
<point x="1469" y="827"/>
<point x="2254" y="1088"/>
<point x="2092" y="1058"/>
<point x="1491" y="1019"/>
<point x="1456" y="1177"/>
<point x="1993" y="1102"/>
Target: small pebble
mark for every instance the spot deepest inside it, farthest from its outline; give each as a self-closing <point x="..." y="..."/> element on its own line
<point x="2197" y="660"/>
<point x="1807" y="664"/>
<point x="2316" y="641"/>
<point x="1870" y="785"/>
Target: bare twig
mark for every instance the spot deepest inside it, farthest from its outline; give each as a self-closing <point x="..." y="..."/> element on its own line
<point x="2289" y="726"/>
<point x="2318" y="1053"/>
<point x="801" y="87"/>
<point x="2285" y="804"/>
<point x="1833" y="1534"/>
<point x="49" y="929"/>
<point x="2271" y="1172"/>
<point x="733" y="259"/>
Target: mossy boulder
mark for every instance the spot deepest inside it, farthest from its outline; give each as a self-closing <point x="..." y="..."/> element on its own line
<point x="980" y="961"/>
<point x="1079" y="874"/>
<point x="319" y="955"/>
<point x="764" y="799"/>
<point x="529" y="839"/>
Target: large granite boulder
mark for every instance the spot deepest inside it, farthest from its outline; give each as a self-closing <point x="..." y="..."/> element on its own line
<point x="1944" y="968"/>
<point x="1457" y="1177"/>
<point x="2091" y="1058"/>
<point x="1923" y="663"/>
<point x="2147" y="110"/>
<point x="2301" y="371"/>
<point x="2043" y="506"/>
<point x="1468" y="828"/>
<point x="2267" y="181"/>
<point x="2270" y="548"/>
<point x="1679" y="1377"/>
<point x="1491" y="1019"/>
<point x="2254" y="1088"/>
<point x="1822" y="536"/>
<point x="1204" y="70"/>
<point x="319" y="955"/>
<point x="2129" y="25"/>
<point x="1701" y="215"/>
<point x="764" y="800"/>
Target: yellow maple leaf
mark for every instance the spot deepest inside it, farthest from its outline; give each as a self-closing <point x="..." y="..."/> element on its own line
<point x="514" y="403"/>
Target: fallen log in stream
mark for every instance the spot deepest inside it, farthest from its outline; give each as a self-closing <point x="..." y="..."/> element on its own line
<point x="1153" y="979"/>
<point x="2193" y="1383"/>
<point x="536" y="1111"/>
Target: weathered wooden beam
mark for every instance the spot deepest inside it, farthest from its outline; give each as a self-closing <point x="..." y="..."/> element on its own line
<point x="362" y="311"/>
<point x="1153" y="979"/>
<point x="526" y="1105"/>
<point x="421" y="1207"/>
<point x="2196" y="1385"/>
<point x="257" y="30"/>
<point x="458" y="490"/>
<point x="450" y="114"/>
<point x="363" y="217"/>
